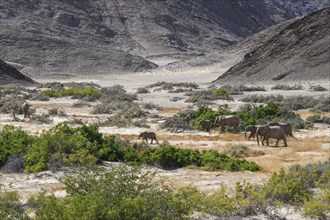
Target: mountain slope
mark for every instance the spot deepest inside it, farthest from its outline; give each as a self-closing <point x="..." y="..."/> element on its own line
<point x="299" y="52"/>
<point x="9" y="74"/>
<point x="104" y="36"/>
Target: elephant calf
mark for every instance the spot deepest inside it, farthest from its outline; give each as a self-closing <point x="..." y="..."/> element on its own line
<point x="145" y="135"/>
<point x="275" y="132"/>
<point x="206" y="125"/>
<point x="252" y="129"/>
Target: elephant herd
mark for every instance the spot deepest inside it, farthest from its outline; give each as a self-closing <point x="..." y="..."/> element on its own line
<point x="275" y="130"/>
<point x="222" y="120"/>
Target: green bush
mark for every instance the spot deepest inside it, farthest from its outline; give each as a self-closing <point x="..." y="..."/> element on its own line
<point x="10" y="206"/>
<point x="78" y="92"/>
<point x="169" y="157"/>
<point x="13" y="140"/>
<point x="122" y="193"/>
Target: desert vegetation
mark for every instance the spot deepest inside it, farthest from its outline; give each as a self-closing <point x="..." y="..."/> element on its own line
<point x="85" y="146"/>
<point x="78" y="145"/>
<point x="248" y="114"/>
<point x="131" y="192"/>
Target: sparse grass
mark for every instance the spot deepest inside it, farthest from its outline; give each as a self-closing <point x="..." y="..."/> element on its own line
<point x="287" y="87"/>
<point x="173" y="87"/>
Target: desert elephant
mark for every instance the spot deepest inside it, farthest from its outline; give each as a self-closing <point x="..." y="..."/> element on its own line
<point x="206" y="125"/>
<point x="26" y="110"/>
<point x="145" y="135"/>
<point x="286" y="126"/>
<point x="252" y="129"/>
<point x="275" y="132"/>
<point x="227" y="120"/>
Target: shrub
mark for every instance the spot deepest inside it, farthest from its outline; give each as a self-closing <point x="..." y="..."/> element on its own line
<point x="287" y="87"/>
<point x="318" y="206"/>
<point x="8" y="105"/>
<point x="169" y="157"/>
<point x="150" y="106"/>
<point x="120" y="193"/>
<point x="10" y="206"/>
<point x="319" y="119"/>
<point x="180" y="87"/>
<point x="318" y="88"/>
<point x="294" y="102"/>
<point x="56" y="111"/>
<point x="241" y="151"/>
<point x="210" y="94"/>
<point x="142" y="90"/>
<point x="117" y="121"/>
<point x="43" y="118"/>
<point x="14" y="164"/>
<point x="13" y="140"/>
<point x="179" y="121"/>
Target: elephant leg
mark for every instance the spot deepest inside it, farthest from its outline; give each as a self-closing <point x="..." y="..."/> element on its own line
<point x="152" y="140"/>
<point x="285" y="144"/>
<point x="267" y="141"/>
<point x="277" y="141"/>
<point x="222" y="128"/>
<point x="263" y="140"/>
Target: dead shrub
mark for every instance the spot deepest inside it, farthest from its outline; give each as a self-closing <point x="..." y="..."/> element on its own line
<point x="14" y="164"/>
<point x="142" y="90"/>
<point x="41" y="119"/>
<point x="241" y="151"/>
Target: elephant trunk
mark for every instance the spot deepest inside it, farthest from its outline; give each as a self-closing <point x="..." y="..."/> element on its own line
<point x="245" y="133"/>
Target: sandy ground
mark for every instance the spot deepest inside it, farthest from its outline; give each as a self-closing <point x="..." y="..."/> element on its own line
<point x="310" y="145"/>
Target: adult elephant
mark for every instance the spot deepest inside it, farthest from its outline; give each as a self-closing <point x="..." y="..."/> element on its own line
<point x="206" y="125"/>
<point x="252" y="129"/>
<point x="286" y="126"/>
<point x="148" y="134"/>
<point x="26" y="110"/>
<point x="227" y="120"/>
<point x="275" y="132"/>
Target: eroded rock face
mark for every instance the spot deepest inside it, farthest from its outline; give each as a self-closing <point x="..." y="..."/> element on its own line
<point x="298" y="51"/>
<point x="9" y="74"/>
<point x="84" y="37"/>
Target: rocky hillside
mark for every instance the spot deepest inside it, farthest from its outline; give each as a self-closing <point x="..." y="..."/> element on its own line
<point x="105" y="36"/>
<point x="298" y="52"/>
<point x="9" y="74"/>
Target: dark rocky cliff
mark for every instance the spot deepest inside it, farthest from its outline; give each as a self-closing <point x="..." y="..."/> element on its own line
<point x="299" y="52"/>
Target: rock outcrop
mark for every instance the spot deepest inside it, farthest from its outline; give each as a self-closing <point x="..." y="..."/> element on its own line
<point x="9" y="74"/>
<point x="298" y="52"/>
